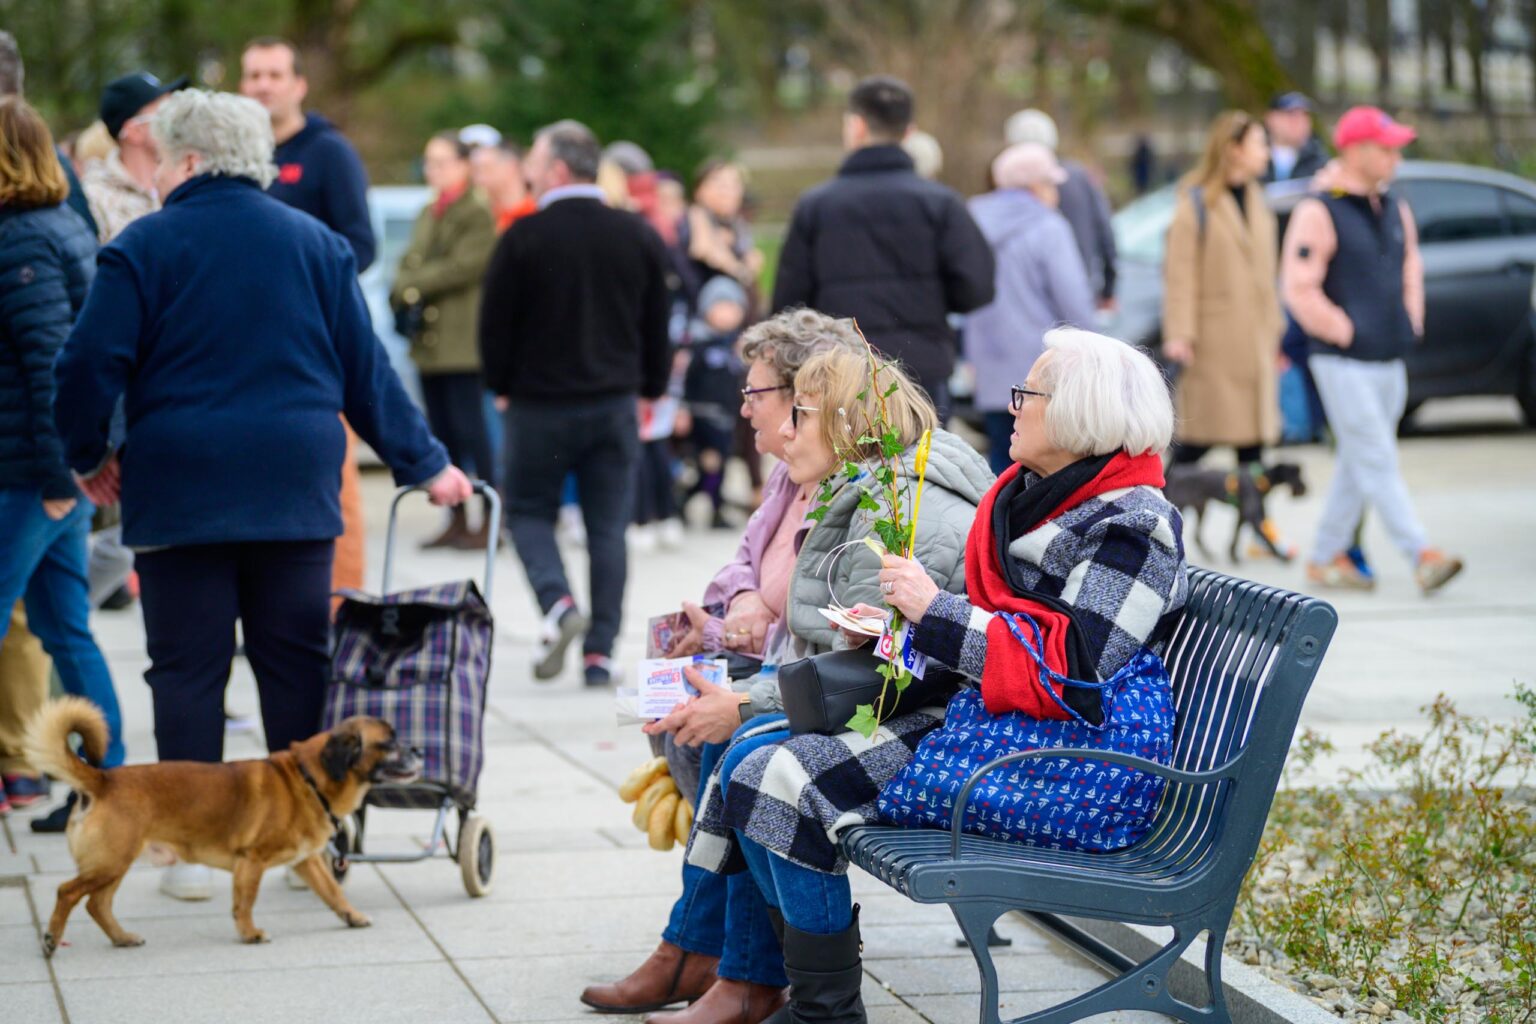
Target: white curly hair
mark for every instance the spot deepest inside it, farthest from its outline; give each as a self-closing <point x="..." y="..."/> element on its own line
<point x="231" y="135"/>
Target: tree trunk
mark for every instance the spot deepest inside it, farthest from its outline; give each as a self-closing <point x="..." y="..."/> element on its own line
<point x="1304" y="55"/>
<point x="1338" y="34"/>
<point x="1378" y="30"/>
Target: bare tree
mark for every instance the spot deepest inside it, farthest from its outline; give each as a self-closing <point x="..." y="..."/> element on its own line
<point x="1378" y="35"/>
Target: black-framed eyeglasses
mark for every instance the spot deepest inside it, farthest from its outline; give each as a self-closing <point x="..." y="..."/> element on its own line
<point x="1016" y="395"/>
<point x="749" y="395"/>
<point x="796" y="410"/>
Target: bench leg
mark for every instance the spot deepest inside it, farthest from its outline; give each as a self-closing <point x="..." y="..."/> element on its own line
<point x="976" y="920"/>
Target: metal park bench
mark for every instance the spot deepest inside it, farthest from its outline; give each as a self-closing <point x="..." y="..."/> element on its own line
<point x="1241" y="660"/>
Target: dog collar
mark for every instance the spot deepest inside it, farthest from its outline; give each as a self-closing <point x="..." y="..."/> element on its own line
<point x="325" y="804"/>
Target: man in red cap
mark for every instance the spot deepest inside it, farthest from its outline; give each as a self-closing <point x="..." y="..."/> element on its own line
<point x="1351" y="276"/>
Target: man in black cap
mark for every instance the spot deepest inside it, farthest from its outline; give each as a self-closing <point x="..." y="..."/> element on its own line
<point x="1295" y="153"/>
<point x="121" y="188"/>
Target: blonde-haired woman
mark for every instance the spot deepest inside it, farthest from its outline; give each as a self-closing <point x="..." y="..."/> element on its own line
<point x="1221" y="311"/>
<point x="782" y="800"/>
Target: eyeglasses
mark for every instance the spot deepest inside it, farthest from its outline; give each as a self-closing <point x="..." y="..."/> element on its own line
<point x="749" y="395"/>
<point x="1016" y="396"/>
<point x="796" y="410"/>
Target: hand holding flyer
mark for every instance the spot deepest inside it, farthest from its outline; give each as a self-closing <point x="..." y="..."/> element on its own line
<point x="662" y="685"/>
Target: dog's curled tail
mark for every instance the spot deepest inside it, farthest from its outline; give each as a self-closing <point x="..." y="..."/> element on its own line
<point x="47" y="744"/>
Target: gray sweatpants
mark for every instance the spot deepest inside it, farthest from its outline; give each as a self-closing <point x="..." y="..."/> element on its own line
<point x="110" y="564"/>
<point x="1364" y="402"/>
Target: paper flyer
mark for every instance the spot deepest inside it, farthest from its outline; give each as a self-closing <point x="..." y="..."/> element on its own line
<point x="661" y="686"/>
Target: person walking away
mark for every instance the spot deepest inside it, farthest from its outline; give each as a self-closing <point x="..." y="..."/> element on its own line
<point x="881" y="245"/>
<point x="1295" y="152"/>
<point x="573" y="326"/>
<point x="1083" y="203"/>
<point x="47" y="264"/>
<point x="230" y="468"/>
<point x="1036" y="289"/>
<point x="320" y="173"/>
<point x="1221" y="315"/>
<point x="1353" y="279"/>
<point x="437" y="295"/>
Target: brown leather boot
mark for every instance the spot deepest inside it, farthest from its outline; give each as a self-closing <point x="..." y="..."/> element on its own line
<point x="727" y="1002"/>
<point x="669" y="975"/>
<point x="458" y="526"/>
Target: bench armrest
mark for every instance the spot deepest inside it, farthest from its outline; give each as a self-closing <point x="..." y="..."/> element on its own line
<point x="1221" y="773"/>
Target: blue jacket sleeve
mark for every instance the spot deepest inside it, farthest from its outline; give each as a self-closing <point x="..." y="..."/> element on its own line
<point x="346" y="202"/>
<point x="35" y="314"/>
<point x="1066" y="278"/>
<point x="99" y="360"/>
<point x="373" y="400"/>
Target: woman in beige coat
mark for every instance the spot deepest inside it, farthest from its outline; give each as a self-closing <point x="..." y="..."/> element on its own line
<point x="1221" y="315"/>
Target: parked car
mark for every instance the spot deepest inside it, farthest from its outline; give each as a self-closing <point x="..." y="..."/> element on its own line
<point x="1477" y="230"/>
<point x="393" y="210"/>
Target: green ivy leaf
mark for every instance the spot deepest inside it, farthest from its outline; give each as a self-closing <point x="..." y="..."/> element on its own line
<point x="886" y="475"/>
<point x="867" y="502"/>
<point x="862" y="395"/>
<point x="903" y="680"/>
<point x="895" y="387"/>
<point x="851" y="470"/>
<point x="863" y="721"/>
<point x="890" y="444"/>
<point x="817" y="514"/>
<point x="890" y="535"/>
<point x="866" y="439"/>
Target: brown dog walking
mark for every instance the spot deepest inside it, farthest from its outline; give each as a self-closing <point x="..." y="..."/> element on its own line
<point x="242" y="816"/>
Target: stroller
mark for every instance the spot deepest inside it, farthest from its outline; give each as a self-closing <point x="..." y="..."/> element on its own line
<point x="421" y="660"/>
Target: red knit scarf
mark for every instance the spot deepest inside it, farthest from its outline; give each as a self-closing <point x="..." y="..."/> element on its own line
<point x="1010" y="680"/>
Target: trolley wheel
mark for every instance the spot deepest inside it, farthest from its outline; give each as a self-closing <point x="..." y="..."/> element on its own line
<point x="477" y="854"/>
<point x="346" y="843"/>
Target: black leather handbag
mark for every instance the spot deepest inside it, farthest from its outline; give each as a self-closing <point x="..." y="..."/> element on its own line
<point x="822" y="692"/>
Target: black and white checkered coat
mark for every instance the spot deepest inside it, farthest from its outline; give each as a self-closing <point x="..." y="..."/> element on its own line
<point x="1117" y="559"/>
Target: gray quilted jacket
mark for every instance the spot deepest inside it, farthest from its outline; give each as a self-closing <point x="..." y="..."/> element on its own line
<point x="957" y="478"/>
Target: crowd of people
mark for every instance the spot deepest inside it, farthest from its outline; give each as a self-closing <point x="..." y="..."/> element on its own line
<point x="579" y="319"/>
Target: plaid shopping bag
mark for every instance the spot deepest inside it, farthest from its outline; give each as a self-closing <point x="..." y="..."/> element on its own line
<point x="420" y="660"/>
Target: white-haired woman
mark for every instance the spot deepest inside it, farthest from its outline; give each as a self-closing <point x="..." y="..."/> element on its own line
<point x="1077" y="534"/>
<point x="234" y="330"/>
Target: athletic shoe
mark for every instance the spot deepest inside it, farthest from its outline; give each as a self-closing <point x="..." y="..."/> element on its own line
<point x="25" y="790"/>
<point x="1339" y="574"/>
<point x="57" y="819"/>
<point x="642" y="539"/>
<point x="562" y="625"/>
<point x="597" y="670"/>
<point x="1435" y="570"/>
<point x="670" y="533"/>
<point x="191" y="882"/>
<point x="1356" y="555"/>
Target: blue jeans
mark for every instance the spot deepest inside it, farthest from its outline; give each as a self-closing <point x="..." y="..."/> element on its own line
<point x="724" y="915"/>
<point x="43" y="562"/>
<point x="811" y="901"/>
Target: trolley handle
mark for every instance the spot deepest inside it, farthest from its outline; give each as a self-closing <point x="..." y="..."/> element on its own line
<point x="493" y="534"/>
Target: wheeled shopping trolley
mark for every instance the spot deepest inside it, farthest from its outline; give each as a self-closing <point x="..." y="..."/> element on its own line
<point x="421" y="660"/>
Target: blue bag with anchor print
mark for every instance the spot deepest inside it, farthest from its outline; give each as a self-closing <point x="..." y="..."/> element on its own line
<point x="1060" y="803"/>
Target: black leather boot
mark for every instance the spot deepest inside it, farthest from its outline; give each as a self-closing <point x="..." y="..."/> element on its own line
<point x="826" y="976"/>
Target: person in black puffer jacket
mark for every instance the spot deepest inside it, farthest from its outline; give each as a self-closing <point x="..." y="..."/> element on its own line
<point x="879" y="244"/>
<point x="47" y="262"/>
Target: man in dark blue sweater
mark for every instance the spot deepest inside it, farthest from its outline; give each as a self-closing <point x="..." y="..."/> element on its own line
<point x="318" y="171"/>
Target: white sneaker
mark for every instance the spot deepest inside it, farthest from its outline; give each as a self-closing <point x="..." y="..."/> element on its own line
<point x="642" y="540"/>
<point x="671" y="534"/>
<point x="190" y="882"/>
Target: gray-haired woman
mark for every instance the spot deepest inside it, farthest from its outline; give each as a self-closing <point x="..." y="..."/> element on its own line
<point x="233" y="328"/>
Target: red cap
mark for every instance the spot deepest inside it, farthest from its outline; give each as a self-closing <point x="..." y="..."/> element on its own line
<point x="1371" y="124"/>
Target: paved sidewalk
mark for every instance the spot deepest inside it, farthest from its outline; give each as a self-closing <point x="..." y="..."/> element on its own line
<point x="579" y="897"/>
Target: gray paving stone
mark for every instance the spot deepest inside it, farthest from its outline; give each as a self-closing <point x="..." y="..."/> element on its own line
<point x="387" y="994"/>
<point x="21" y="954"/>
<point x="209" y="945"/>
<point x="1016" y="972"/>
<point x="13" y="906"/>
<point x="626" y="927"/>
<point x="958" y="1009"/>
<point x="32" y="1003"/>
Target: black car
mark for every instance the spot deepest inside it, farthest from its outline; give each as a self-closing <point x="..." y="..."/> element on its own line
<point x="1477" y="234"/>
